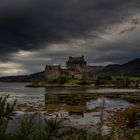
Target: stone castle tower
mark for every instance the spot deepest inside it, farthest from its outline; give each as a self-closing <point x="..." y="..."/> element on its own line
<point x="76" y="67"/>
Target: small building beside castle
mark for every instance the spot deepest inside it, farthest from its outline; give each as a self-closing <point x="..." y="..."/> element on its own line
<point x="76" y="67"/>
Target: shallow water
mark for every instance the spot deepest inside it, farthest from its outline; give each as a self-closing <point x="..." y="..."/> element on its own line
<point x="22" y="93"/>
<point x="37" y="95"/>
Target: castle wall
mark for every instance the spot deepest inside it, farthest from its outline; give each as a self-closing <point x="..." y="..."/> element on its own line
<point x="52" y="72"/>
<point x="64" y="73"/>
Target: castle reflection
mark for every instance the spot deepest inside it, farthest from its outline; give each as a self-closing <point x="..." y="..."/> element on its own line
<point x="63" y="105"/>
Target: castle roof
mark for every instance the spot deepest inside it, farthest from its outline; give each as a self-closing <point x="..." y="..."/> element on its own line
<point x="76" y="59"/>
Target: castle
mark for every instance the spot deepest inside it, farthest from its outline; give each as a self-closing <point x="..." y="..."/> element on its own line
<point x="76" y="67"/>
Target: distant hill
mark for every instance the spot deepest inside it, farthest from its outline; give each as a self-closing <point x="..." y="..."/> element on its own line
<point x="23" y="78"/>
<point x="131" y="68"/>
<point x="94" y="69"/>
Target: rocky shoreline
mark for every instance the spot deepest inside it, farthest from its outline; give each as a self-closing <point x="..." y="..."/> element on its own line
<point x="93" y="85"/>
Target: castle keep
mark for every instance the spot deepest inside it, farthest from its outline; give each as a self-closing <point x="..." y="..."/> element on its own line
<point x="76" y="67"/>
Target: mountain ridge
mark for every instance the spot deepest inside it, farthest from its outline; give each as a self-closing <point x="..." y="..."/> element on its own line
<point x="131" y="68"/>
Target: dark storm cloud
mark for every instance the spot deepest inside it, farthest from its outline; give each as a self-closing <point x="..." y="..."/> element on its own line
<point x="30" y="26"/>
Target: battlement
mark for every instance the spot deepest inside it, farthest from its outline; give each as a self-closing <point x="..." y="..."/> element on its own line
<point x="76" y="59"/>
<point x="53" y="67"/>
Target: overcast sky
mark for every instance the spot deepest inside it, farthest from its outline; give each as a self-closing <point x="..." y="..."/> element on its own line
<point x="34" y="33"/>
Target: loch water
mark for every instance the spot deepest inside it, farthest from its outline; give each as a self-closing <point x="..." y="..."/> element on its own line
<point x="68" y="102"/>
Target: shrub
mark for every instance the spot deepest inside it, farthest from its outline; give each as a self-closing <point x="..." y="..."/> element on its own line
<point x="103" y="80"/>
<point x="83" y="82"/>
<point x="6" y="109"/>
<point x="53" y="81"/>
<point x="126" y="119"/>
<point x="6" y="114"/>
<point x="62" y="80"/>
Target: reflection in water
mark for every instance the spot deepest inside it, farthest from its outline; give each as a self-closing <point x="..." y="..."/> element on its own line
<point x="67" y="90"/>
<point x="73" y="104"/>
<point x="61" y="104"/>
<point x="80" y="110"/>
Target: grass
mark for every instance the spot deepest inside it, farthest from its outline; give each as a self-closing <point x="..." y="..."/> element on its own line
<point x="65" y="82"/>
<point x="72" y="82"/>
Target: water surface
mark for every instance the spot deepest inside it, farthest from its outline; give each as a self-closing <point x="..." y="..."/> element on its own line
<point x="66" y="102"/>
<point x="37" y="95"/>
